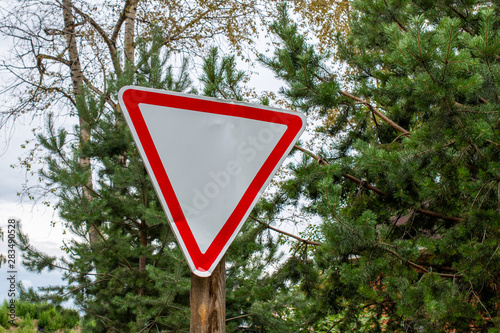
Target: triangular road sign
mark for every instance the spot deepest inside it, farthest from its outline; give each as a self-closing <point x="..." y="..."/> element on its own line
<point x="209" y="160"/>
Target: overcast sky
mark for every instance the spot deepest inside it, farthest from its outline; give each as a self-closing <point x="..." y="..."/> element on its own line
<point x="35" y="218"/>
<point x="41" y="223"/>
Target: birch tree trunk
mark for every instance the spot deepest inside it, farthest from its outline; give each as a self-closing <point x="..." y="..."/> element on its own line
<point x="130" y="32"/>
<point x="75" y="67"/>
<point x="77" y="80"/>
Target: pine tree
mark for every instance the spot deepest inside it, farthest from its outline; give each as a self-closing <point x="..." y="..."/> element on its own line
<point x="405" y="176"/>
<point x="134" y="276"/>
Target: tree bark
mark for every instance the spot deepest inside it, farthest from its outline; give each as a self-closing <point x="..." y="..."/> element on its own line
<point x="70" y="35"/>
<point x="130" y="32"/>
<point x="129" y="12"/>
<point x="75" y="68"/>
<point x="208" y="301"/>
<point x="77" y="79"/>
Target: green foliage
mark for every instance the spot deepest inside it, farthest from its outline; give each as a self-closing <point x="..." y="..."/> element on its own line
<point x="49" y="317"/>
<point x="221" y="78"/>
<point x="4" y="315"/>
<point x="407" y="186"/>
<point x="25" y="309"/>
<point x="27" y="325"/>
<point x="154" y="70"/>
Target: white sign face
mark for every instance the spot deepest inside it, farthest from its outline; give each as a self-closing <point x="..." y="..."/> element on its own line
<point x="210" y="160"/>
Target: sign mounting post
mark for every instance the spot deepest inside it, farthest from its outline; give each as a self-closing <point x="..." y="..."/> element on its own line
<point x="209" y="161"/>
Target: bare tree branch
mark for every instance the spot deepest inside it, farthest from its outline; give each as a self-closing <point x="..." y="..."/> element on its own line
<point x="306" y="241"/>
<point x="119" y="23"/>
<point x="105" y="37"/>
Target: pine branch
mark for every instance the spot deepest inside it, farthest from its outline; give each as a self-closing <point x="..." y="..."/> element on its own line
<point x="99" y="233"/>
<point x="438" y="215"/>
<point x="395" y="19"/>
<point x="239" y="317"/>
<point x="418" y="267"/>
<point x="377" y="112"/>
<point x="373" y="110"/>
<point x="306" y="241"/>
<point x="384" y="247"/>
<point x="132" y="220"/>
<point x="379" y="191"/>
<point x="100" y="93"/>
<point x="484" y="101"/>
<point x="479" y="300"/>
<point x="85" y="286"/>
<point x="346" y="176"/>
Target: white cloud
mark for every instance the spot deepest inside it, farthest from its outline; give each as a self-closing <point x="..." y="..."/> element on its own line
<point x="45" y="230"/>
<point x="27" y="283"/>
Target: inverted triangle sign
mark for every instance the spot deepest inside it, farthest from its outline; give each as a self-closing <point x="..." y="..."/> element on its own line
<point x="209" y="161"/>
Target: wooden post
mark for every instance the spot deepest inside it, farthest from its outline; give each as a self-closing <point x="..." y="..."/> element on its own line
<point x="208" y="301"/>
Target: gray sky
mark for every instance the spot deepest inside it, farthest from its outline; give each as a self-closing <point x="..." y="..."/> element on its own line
<point x="35" y="218"/>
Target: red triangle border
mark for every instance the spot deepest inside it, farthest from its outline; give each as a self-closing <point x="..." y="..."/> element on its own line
<point x="133" y="96"/>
